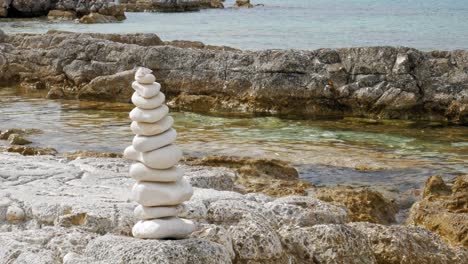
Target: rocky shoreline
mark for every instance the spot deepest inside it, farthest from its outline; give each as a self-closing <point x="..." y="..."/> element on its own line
<point x="54" y="210"/>
<point x="375" y="82"/>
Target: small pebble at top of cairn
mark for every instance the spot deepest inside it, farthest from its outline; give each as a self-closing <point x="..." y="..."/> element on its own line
<point x="160" y="189"/>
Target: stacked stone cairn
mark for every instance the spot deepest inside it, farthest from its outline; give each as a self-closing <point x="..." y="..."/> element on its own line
<point x="160" y="189"/>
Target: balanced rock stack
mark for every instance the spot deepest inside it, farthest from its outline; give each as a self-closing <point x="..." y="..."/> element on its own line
<point x="160" y="189"/>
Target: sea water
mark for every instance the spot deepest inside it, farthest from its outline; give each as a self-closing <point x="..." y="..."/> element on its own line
<point x="295" y="24"/>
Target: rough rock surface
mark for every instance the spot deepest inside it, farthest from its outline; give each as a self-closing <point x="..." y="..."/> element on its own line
<point x="364" y="205"/>
<point x="268" y="176"/>
<point x="60" y="9"/>
<point x="383" y="82"/>
<point x="444" y="209"/>
<point x="169" y="5"/>
<point x="57" y="211"/>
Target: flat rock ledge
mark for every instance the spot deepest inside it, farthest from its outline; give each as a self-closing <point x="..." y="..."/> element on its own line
<point x="54" y="210"/>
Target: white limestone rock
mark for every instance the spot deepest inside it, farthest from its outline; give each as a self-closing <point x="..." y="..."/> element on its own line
<point x="149" y="116"/>
<point x="144" y="76"/>
<point x="146" y="90"/>
<point x="163" y="228"/>
<point x="15" y="214"/>
<point x="140" y="172"/>
<point x="162" y="193"/>
<point x="150" y="129"/>
<point x="145" y="143"/>
<point x="148" y="103"/>
<point x="148" y="212"/>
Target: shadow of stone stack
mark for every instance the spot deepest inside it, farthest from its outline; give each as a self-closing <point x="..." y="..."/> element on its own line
<point x="160" y="189"/>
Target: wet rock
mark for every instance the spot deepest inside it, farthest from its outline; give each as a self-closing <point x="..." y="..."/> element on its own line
<point x="31" y="151"/>
<point x="55" y="93"/>
<point x="272" y="177"/>
<point x="177" y="5"/>
<point x="3" y="36"/>
<point x="17" y="139"/>
<point x="95" y="18"/>
<point x="444" y="210"/>
<point x="61" y="15"/>
<point x="435" y="186"/>
<point x="4" y="135"/>
<point x="216" y="4"/>
<point x="79" y="154"/>
<point x="243" y="3"/>
<point x="364" y="205"/>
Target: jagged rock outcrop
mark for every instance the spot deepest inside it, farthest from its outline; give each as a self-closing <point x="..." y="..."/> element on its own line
<point x="62" y="9"/>
<point x="43" y="219"/>
<point x="169" y="5"/>
<point x="379" y="82"/>
<point x="444" y="209"/>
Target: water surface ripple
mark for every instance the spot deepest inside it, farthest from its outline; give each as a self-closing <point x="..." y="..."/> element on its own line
<point x="390" y="155"/>
<point x="297" y="24"/>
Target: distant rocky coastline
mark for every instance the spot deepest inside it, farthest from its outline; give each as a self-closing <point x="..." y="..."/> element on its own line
<point x="96" y="11"/>
<point x="375" y="82"/>
<point x="103" y="11"/>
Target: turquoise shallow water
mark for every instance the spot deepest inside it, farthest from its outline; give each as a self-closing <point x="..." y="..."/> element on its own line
<point x="298" y="24"/>
<point x="393" y="156"/>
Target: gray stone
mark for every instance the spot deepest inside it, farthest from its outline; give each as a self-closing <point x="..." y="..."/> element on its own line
<point x="79" y="212"/>
<point x="377" y="82"/>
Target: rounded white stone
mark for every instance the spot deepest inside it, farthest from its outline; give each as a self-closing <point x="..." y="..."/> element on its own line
<point x="131" y="154"/>
<point x="148" y="103"/>
<point x="149" y="129"/>
<point x="162" y="193"/>
<point x="146" y="212"/>
<point x="149" y="116"/>
<point x="172" y="227"/>
<point x="148" y="143"/>
<point x="146" y="90"/>
<point x="162" y="158"/>
<point x="140" y="172"/>
<point x="145" y="79"/>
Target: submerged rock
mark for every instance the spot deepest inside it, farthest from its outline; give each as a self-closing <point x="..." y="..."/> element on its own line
<point x="31" y="151"/>
<point x="4" y="135"/>
<point x="16" y="139"/>
<point x="95" y="18"/>
<point x="444" y="209"/>
<point x="272" y="177"/>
